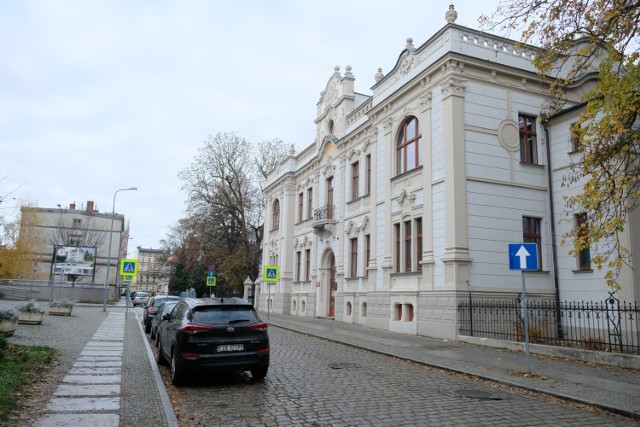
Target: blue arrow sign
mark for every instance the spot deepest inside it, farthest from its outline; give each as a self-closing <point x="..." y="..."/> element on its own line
<point x="523" y="256"/>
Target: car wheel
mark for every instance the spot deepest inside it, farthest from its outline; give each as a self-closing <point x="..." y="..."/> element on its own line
<point x="259" y="373"/>
<point x="159" y="357"/>
<point x="177" y="370"/>
<point x="152" y="334"/>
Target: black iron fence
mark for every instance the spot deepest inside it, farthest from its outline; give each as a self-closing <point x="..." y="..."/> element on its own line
<point x="608" y="325"/>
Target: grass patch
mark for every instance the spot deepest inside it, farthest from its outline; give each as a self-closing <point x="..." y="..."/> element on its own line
<point x="20" y="367"/>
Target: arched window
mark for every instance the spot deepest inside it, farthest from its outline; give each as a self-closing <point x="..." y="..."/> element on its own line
<point x="408" y="147"/>
<point x="276" y="215"/>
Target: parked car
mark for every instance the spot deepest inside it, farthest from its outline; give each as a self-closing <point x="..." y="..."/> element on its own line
<point x="152" y="307"/>
<point x="141" y="298"/>
<point x="156" y="320"/>
<point x="202" y="334"/>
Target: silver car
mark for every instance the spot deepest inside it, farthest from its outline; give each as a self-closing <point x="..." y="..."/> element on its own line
<point x="141" y="298"/>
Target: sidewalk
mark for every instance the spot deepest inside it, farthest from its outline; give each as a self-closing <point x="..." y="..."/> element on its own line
<point x="107" y="375"/>
<point x="613" y="389"/>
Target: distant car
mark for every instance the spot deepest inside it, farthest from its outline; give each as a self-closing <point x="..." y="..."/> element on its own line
<point x="151" y="308"/>
<point x="202" y="334"/>
<point x="156" y="320"/>
<point x="141" y="298"/>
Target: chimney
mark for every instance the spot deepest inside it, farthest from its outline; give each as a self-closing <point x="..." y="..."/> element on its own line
<point x="72" y="205"/>
<point x="90" y="206"/>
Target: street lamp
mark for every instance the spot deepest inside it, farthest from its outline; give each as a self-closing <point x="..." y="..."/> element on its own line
<point x="113" y="215"/>
<point x="59" y="237"/>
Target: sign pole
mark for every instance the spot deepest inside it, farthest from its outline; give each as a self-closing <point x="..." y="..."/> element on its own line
<point x="525" y="310"/>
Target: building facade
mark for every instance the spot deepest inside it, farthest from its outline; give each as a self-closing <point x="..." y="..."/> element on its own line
<point x="408" y="198"/>
<point x="73" y="244"/>
<point x="153" y="270"/>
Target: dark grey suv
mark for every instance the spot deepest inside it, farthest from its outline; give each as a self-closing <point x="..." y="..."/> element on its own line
<point x="213" y="334"/>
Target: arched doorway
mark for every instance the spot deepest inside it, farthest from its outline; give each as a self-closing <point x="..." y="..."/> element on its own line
<point x="333" y="286"/>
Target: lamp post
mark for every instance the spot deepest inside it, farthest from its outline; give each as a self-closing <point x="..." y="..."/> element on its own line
<point x="113" y="215"/>
<point x="59" y="237"/>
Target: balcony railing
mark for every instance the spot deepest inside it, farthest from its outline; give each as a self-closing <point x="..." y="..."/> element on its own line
<point x="325" y="212"/>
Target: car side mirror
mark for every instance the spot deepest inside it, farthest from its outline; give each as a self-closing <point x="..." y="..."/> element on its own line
<point x="166" y="316"/>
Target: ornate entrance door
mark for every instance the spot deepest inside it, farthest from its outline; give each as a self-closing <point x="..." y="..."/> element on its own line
<point x="333" y="287"/>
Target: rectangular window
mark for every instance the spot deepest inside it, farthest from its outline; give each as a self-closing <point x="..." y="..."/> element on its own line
<point x="309" y="203"/>
<point x="355" y="176"/>
<point x="576" y="136"/>
<point x="531" y="233"/>
<point x="584" y="256"/>
<point x="407" y="246"/>
<point x="77" y="222"/>
<point x="528" y="139"/>
<point x="300" y="206"/>
<point x="367" y="248"/>
<point x="329" y="198"/>
<point x="368" y="177"/>
<point x="298" y="256"/>
<point x="396" y="232"/>
<point x="419" y="242"/>
<point x="353" y="261"/>
<point x="307" y="269"/>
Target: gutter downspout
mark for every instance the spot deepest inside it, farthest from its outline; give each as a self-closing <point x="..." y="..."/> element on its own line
<point x="552" y="222"/>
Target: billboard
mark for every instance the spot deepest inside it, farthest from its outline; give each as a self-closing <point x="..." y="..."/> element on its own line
<point x="77" y="260"/>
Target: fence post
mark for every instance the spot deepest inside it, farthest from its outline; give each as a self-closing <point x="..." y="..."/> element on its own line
<point x="471" y="313"/>
<point x="615" y="322"/>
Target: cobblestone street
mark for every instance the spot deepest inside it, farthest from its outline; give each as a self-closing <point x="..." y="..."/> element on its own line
<point x="313" y="382"/>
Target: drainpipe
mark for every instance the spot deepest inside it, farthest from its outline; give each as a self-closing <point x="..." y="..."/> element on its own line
<point x="552" y="222"/>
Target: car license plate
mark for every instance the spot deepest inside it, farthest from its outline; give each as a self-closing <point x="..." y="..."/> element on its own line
<point x="230" y="347"/>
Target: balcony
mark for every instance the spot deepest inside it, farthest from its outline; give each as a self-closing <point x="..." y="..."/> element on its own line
<point x="323" y="219"/>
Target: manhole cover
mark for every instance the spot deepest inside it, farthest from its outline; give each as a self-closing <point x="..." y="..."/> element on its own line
<point x="343" y="365"/>
<point x="477" y="394"/>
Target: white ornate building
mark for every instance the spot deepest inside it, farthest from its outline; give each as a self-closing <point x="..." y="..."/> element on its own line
<point x="409" y="197"/>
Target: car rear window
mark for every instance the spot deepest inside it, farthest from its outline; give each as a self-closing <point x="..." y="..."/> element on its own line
<point x="159" y="301"/>
<point x="224" y="314"/>
<point x="168" y="306"/>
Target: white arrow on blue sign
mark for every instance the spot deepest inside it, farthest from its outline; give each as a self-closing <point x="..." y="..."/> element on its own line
<point x="523" y="256"/>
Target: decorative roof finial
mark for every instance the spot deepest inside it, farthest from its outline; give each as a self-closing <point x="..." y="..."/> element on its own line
<point x="409" y="43"/>
<point x="348" y="71"/>
<point x="451" y="15"/>
<point x="379" y="76"/>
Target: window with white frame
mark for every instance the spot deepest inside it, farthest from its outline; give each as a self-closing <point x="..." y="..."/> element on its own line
<point x="353" y="257"/>
<point x="408" y="245"/>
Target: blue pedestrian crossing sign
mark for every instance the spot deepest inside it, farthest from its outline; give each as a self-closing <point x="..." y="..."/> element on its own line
<point x="129" y="267"/>
<point x="271" y="273"/>
<point x="211" y="280"/>
<point x="523" y="256"/>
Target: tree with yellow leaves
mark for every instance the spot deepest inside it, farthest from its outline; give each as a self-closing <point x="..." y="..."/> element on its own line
<point x="23" y="242"/>
<point x="579" y="38"/>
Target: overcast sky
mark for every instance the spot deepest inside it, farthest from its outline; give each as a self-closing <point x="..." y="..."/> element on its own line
<point x="101" y="95"/>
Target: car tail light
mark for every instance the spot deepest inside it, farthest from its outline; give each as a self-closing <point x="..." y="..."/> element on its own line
<point x="260" y="326"/>
<point x="151" y="310"/>
<point x="190" y="355"/>
<point x="263" y="351"/>
<point x="194" y="329"/>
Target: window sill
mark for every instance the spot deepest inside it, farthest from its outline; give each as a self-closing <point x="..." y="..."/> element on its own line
<point x="589" y="270"/>
<point x="535" y="165"/>
<point x="407" y="273"/>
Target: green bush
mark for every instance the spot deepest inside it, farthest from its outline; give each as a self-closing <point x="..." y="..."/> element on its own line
<point x="8" y="313"/>
<point x="62" y="303"/>
<point x="30" y="307"/>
